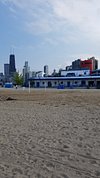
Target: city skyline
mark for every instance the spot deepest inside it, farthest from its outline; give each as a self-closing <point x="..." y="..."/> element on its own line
<point x="47" y="32"/>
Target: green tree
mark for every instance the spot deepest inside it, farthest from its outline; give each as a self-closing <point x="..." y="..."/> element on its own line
<point x="18" y="79"/>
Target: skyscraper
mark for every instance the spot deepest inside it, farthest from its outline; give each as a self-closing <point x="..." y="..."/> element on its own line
<point x="6" y="70"/>
<point x="26" y="71"/>
<point x="12" y="68"/>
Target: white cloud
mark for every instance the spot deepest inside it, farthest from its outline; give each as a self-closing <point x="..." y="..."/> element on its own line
<point x="58" y="16"/>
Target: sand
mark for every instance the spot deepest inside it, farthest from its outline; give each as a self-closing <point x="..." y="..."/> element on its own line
<point x="50" y="134"/>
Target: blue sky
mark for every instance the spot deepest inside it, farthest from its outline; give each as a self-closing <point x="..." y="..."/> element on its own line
<point x="52" y="32"/>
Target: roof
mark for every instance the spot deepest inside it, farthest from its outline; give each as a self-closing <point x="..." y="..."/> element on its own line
<point x="66" y="78"/>
<point x="76" y="69"/>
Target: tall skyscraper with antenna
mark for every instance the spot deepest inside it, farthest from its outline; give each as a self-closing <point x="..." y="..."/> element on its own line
<point x="12" y="68"/>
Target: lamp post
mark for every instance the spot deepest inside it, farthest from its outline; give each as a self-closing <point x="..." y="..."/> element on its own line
<point x="45" y="85"/>
<point x="29" y="86"/>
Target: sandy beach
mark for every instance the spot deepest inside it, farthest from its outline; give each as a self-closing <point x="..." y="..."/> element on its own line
<point x="50" y="134"/>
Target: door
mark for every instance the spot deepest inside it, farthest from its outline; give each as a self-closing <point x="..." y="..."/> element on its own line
<point x="49" y="84"/>
<point x="38" y="84"/>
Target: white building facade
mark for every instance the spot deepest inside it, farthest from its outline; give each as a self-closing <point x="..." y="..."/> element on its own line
<point x="76" y="73"/>
<point x="65" y="82"/>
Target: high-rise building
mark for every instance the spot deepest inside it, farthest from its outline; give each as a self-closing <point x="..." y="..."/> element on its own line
<point x="6" y="70"/>
<point x="26" y="73"/>
<point x="46" y="70"/>
<point x="95" y="63"/>
<point x="12" y="68"/>
<point x="26" y="65"/>
<point x="91" y="64"/>
<point x="76" y="64"/>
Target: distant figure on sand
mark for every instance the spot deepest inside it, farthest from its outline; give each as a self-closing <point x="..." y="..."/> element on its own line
<point x="16" y="86"/>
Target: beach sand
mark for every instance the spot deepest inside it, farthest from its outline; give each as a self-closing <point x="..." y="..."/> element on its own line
<point x="50" y="134"/>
